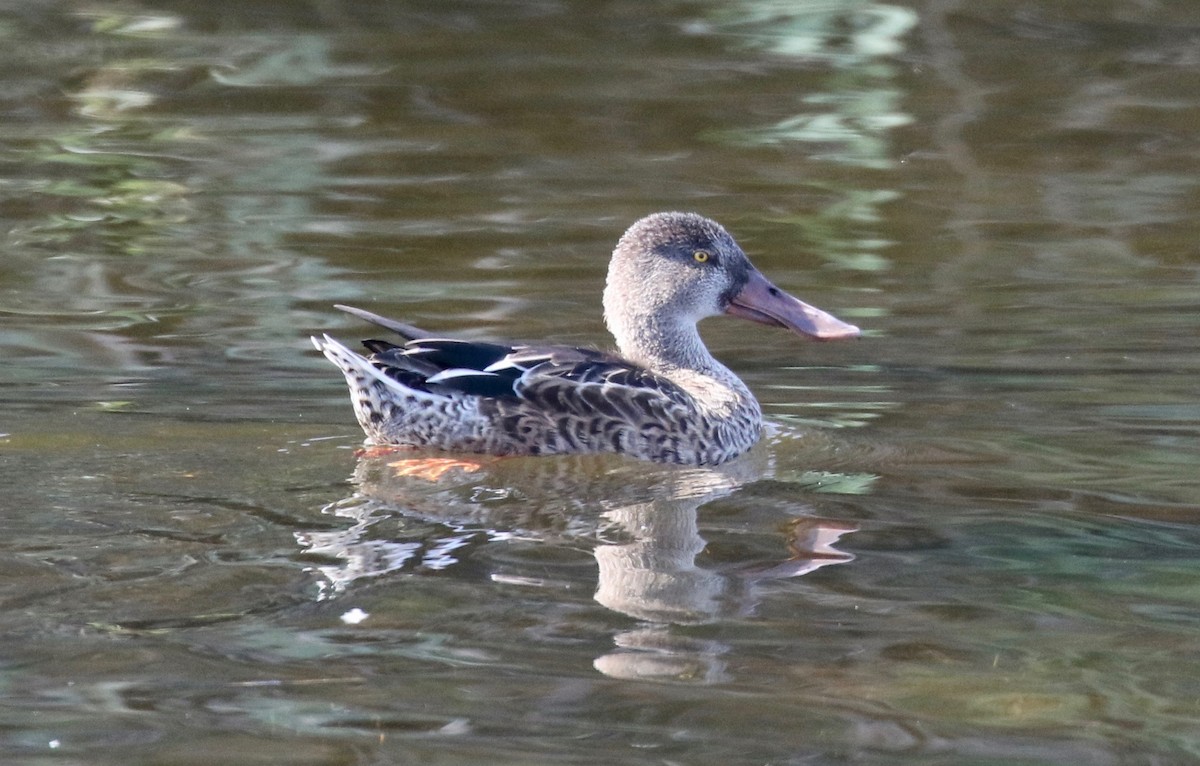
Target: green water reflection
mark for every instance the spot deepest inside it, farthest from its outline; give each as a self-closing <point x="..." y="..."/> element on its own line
<point x="969" y="538"/>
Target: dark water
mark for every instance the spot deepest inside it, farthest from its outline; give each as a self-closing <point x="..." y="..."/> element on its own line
<point x="972" y="537"/>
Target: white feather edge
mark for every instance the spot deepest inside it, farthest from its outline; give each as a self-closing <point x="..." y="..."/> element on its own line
<point x="337" y="352"/>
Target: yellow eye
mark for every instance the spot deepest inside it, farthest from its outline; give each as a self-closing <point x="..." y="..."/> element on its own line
<point x="701" y="256"/>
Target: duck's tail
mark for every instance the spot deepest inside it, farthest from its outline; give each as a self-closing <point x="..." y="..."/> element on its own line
<point x="376" y="397"/>
<point x="357" y="368"/>
<point x="403" y="329"/>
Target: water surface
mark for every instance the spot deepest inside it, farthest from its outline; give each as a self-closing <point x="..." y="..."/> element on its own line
<point x="970" y="537"/>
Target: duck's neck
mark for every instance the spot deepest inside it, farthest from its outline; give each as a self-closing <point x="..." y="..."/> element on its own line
<point x="655" y="333"/>
<point x="675" y="351"/>
<point x="663" y="345"/>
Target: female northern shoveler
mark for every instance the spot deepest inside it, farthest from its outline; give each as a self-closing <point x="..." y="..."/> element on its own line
<point x="665" y="398"/>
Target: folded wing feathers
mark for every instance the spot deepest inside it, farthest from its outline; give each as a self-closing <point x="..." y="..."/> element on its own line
<point x="473" y="383"/>
<point x="562" y="379"/>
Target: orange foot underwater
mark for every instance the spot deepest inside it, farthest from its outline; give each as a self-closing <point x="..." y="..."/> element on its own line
<point x="433" y="468"/>
<point x="429" y="468"/>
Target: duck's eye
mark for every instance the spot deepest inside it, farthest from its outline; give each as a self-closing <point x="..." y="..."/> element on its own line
<point x="701" y="256"/>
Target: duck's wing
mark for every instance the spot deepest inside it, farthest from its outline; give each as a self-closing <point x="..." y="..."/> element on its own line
<point x="442" y="365"/>
<point x="433" y="364"/>
<point x="554" y="382"/>
<point x="582" y="381"/>
<point x="555" y="379"/>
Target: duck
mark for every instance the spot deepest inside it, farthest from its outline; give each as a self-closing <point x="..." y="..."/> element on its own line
<point x="660" y="397"/>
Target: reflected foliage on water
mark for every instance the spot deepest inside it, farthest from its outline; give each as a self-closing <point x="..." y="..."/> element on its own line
<point x="969" y="538"/>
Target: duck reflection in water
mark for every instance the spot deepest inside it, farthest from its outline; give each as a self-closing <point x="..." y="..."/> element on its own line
<point x="663" y="398"/>
<point x="416" y="513"/>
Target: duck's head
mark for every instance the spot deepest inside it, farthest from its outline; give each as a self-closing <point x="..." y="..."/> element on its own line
<point x="670" y="270"/>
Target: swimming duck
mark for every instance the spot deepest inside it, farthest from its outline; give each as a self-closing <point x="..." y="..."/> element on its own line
<point x="663" y="398"/>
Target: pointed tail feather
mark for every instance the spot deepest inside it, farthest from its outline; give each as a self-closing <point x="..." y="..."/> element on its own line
<point x="406" y="331"/>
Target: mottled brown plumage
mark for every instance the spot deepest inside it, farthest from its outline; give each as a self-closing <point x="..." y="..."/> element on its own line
<point x="664" y="398"/>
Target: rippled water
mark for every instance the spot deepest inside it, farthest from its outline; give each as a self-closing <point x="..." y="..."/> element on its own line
<point x="970" y="537"/>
